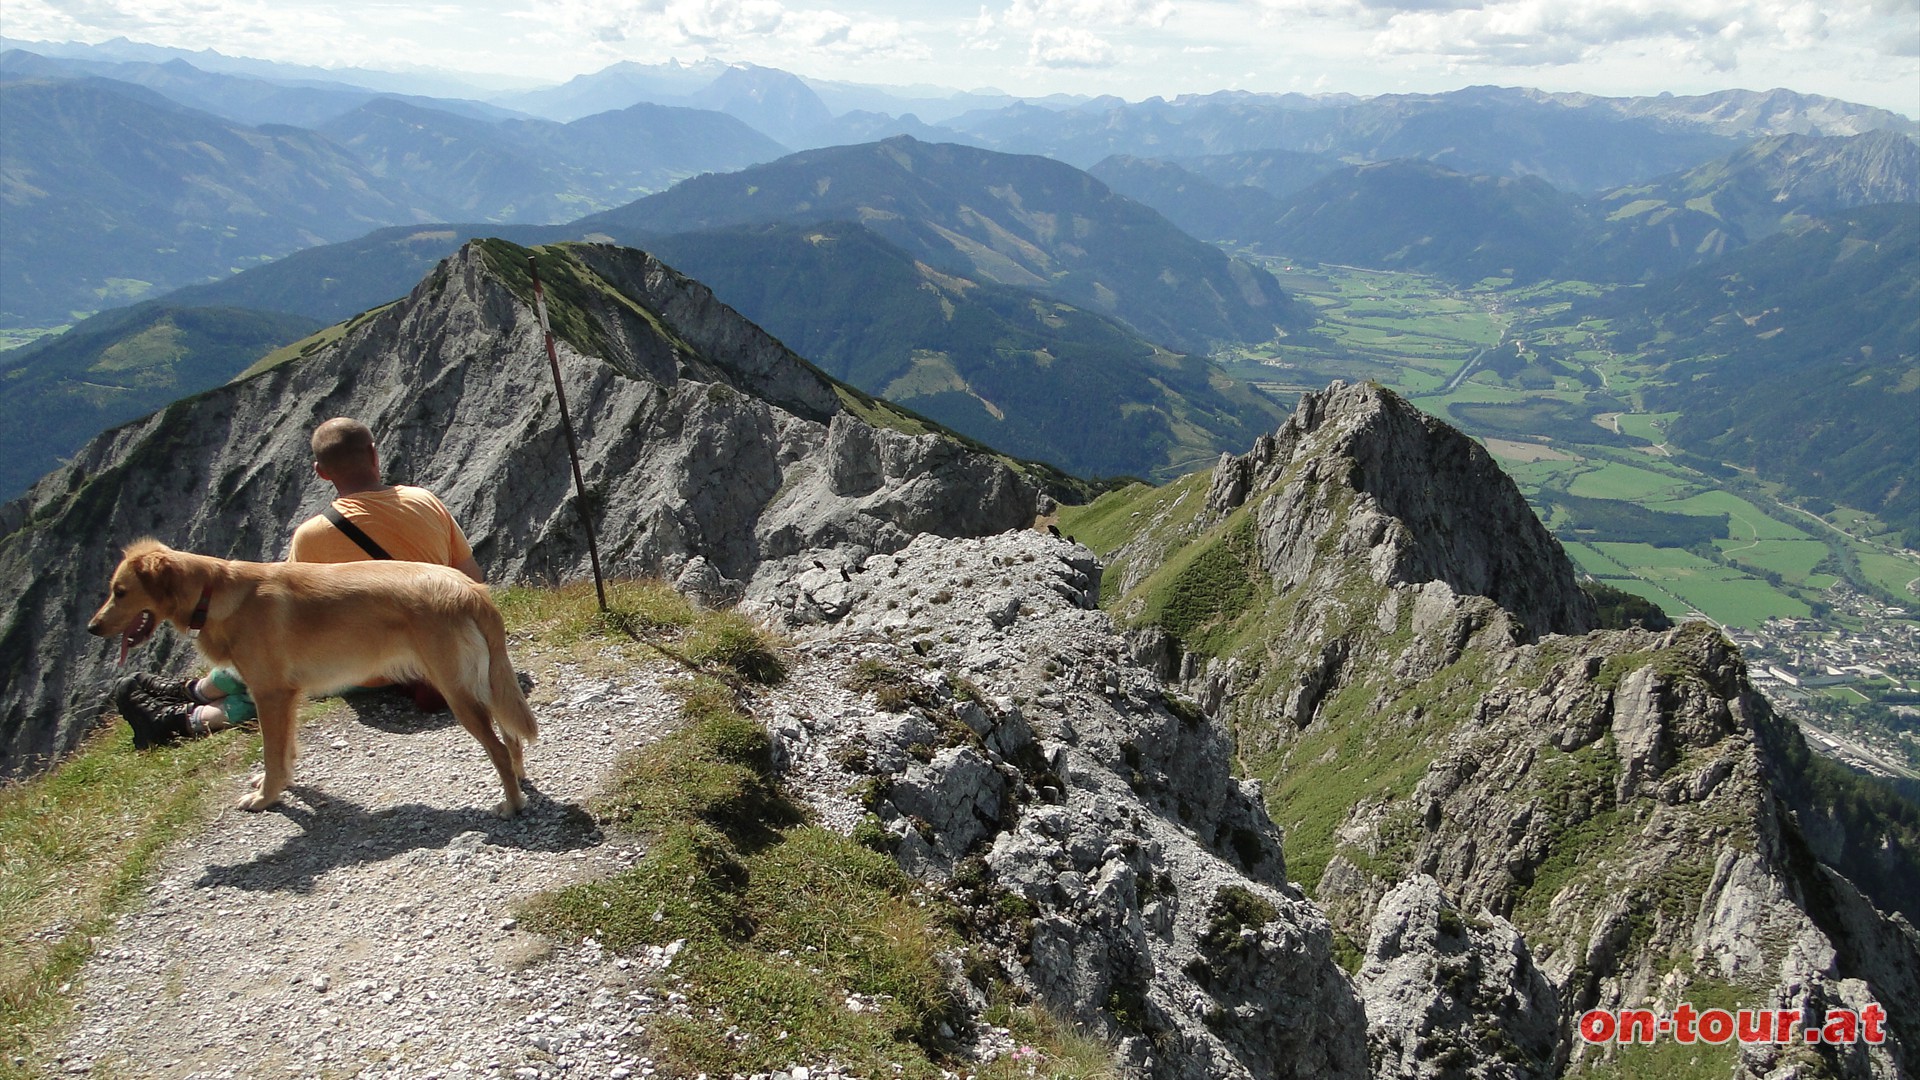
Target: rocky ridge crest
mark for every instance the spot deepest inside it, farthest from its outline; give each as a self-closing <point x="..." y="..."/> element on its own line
<point x="1390" y="636"/>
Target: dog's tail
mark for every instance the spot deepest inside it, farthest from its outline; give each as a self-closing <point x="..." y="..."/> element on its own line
<point x="509" y="705"/>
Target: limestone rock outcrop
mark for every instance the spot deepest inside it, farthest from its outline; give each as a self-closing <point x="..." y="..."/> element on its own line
<point x="1090" y="823"/>
<point x="1451" y="994"/>
<point x="1358" y="477"/>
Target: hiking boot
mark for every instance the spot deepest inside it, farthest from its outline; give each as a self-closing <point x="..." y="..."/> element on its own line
<point x="154" y="718"/>
<point x="168" y="689"/>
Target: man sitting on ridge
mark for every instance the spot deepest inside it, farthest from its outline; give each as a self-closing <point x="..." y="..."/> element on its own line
<point x="368" y="519"/>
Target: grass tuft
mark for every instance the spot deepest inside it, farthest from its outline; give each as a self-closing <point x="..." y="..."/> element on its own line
<point x="737" y="643"/>
<point x="571" y="613"/>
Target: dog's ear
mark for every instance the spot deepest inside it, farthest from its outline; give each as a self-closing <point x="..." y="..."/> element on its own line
<point x="159" y="572"/>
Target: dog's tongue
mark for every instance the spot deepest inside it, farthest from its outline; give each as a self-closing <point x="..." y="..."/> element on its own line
<point x="135" y="633"/>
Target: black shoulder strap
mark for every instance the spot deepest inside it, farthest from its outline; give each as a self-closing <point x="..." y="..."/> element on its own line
<point x="353" y="533"/>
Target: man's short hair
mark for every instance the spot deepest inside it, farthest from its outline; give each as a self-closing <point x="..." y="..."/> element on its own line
<point x="342" y="443"/>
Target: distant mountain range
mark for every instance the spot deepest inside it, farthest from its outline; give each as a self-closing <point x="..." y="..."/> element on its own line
<point x="1578" y="143"/>
<point x="1481" y="130"/>
<point x="428" y="83"/>
<point x="114" y="192"/>
<point x="539" y="171"/>
<point x="1415" y="215"/>
<point x="713" y="84"/>
<point x="1419" y="216"/>
<point x="243" y="99"/>
<point x="1015" y="220"/>
<point x="1036" y="378"/>
<point x="1688" y="218"/>
<point x="393" y="155"/>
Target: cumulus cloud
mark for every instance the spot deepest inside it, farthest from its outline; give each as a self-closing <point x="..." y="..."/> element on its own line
<point x="1080" y="13"/>
<point x="1070" y="48"/>
<point x="1525" y="33"/>
<point x="839" y="35"/>
<point x="738" y="28"/>
<point x="670" y="22"/>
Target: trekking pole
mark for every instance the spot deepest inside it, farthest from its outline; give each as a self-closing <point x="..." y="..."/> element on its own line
<point x="566" y="425"/>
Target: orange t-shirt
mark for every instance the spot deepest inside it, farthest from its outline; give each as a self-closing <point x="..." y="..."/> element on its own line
<point x="410" y="523"/>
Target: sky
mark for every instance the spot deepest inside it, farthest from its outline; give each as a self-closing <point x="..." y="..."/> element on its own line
<point x="1866" y="51"/>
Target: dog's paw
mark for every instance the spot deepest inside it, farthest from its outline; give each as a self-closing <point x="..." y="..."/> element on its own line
<point x="256" y="780"/>
<point x="507" y="808"/>
<point x="255" y="802"/>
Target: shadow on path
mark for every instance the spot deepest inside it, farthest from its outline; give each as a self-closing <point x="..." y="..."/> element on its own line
<point x="390" y="709"/>
<point x="337" y="832"/>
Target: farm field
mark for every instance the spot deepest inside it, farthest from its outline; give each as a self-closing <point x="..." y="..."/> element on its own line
<point x="1891" y="572"/>
<point x="1612" y="480"/>
<point x="1748" y="521"/>
<point x="1562" y="414"/>
<point x="1791" y="559"/>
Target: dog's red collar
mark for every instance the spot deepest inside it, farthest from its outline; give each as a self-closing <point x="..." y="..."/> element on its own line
<point x="199" y="620"/>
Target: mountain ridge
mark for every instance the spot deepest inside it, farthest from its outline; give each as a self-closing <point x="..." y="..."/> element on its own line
<point x="185" y="195"/>
<point x="1015" y="371"/>
<point x="1623" y="803"/>
<point x="1058" y="231"/>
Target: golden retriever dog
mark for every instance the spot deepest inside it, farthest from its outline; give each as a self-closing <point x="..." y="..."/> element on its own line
<point x="293" y="628"/>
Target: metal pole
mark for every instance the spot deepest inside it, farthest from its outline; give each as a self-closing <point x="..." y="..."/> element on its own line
<point x="566" y="425"/>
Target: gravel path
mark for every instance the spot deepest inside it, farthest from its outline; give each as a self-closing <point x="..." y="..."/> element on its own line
<point x="365" y="927"/>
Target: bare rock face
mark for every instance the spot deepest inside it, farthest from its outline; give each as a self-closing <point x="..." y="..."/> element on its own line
<point x="1012" y="752"/>
<point x="1454" y="995"/>
<point x="708" y="450"/>
<point x="1359" y="477"/>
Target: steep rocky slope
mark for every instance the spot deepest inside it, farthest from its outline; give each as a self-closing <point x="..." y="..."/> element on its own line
<point x="708" y="448"/>
<point x="1089" y="822"/>
<point x="1599" y="821"/>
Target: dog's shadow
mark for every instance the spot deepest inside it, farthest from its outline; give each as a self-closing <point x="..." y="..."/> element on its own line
<point x="391" y="709"/>
<point x="337" y="832"/>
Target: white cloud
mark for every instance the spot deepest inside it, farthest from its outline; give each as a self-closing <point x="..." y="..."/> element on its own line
<point x="668" y="22"/>
<point x="1070" y="48"/>
<point x="1530" y="33"/>
<point x="1082" y="13"/>
<point x="841" y="36"/>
